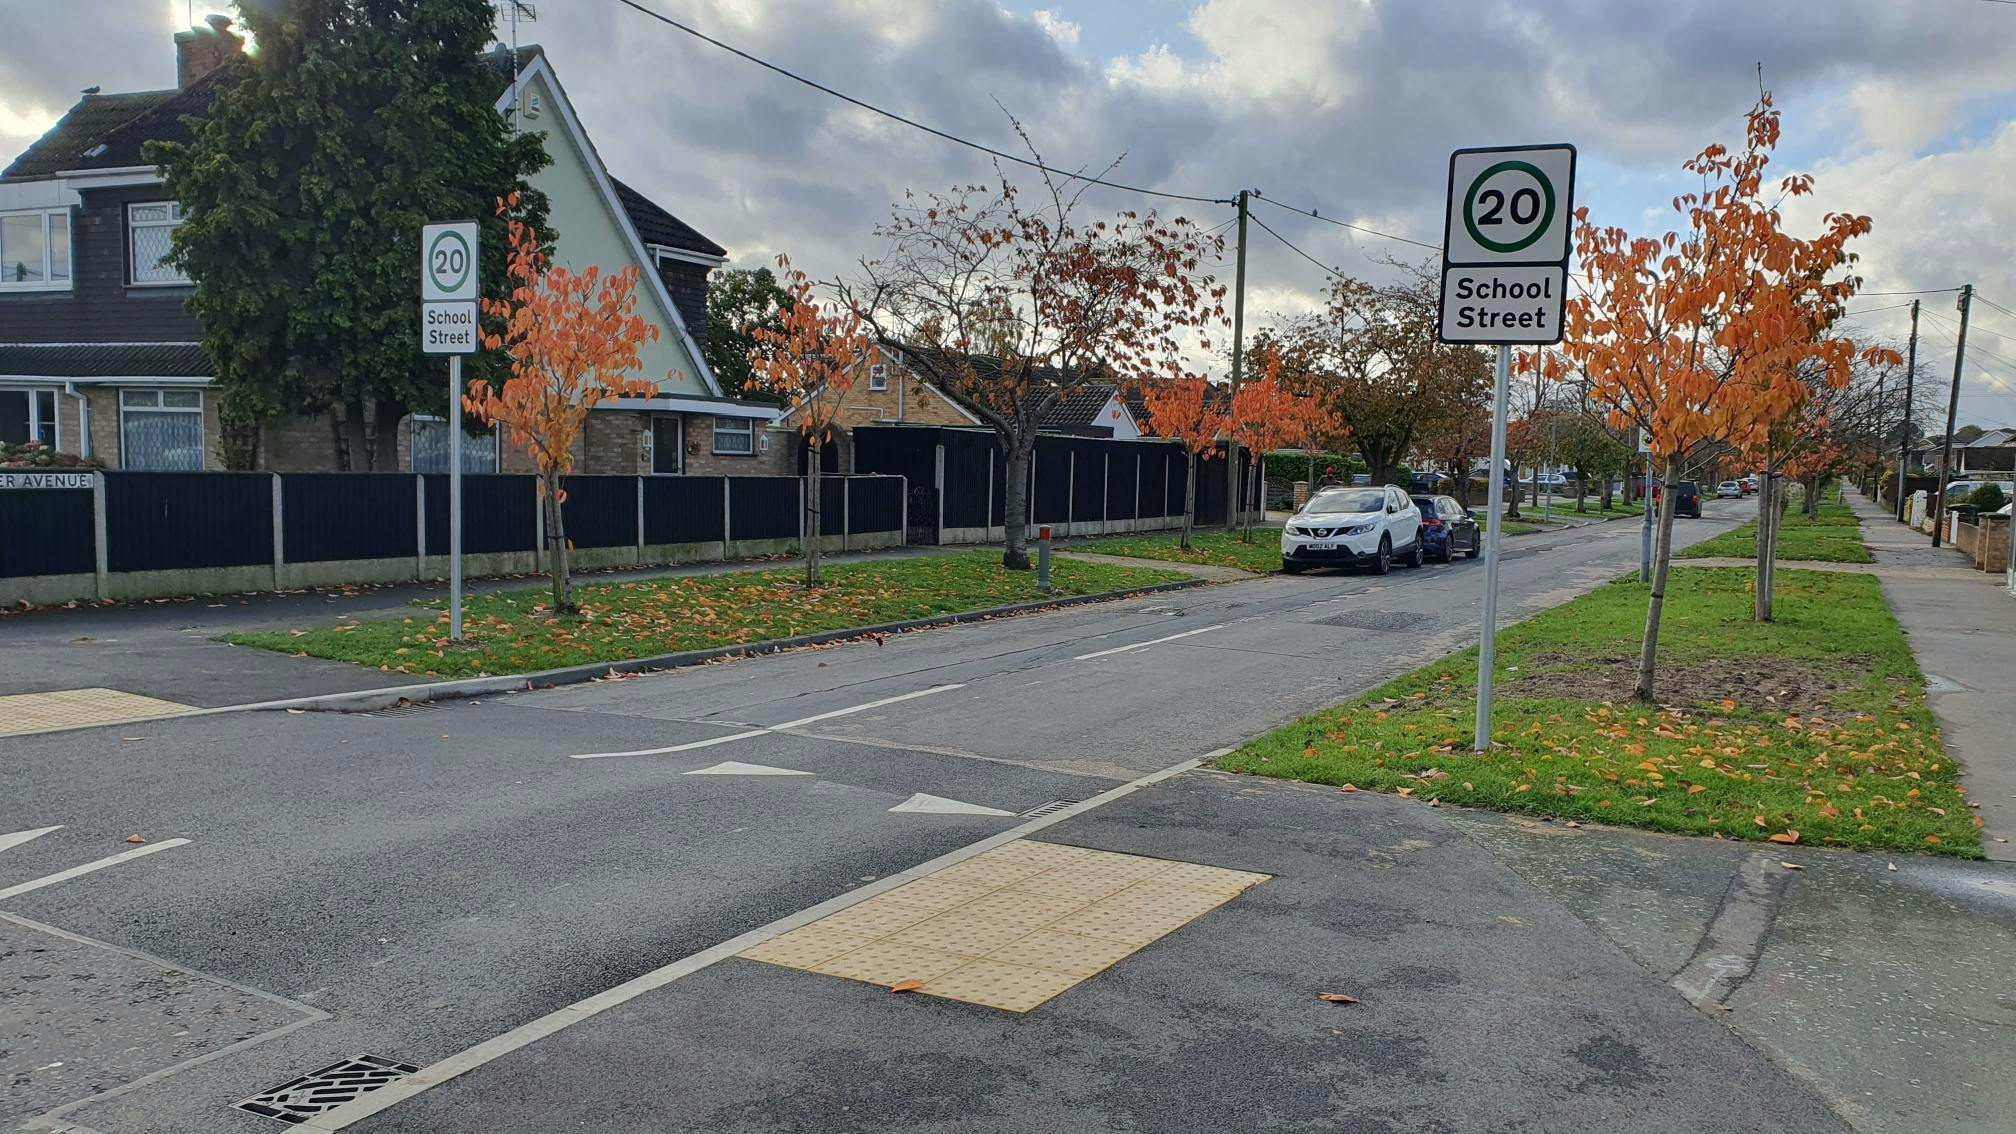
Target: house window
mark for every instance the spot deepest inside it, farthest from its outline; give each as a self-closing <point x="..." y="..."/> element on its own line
<point x="878" y="376"/>
<point x="28" y="415"/>
<point x="161" y="430"/>
<point x="430" y="448"/>
<point x="35" y="250"/>
<point x="149" y="227"/>
<point x="735" y="436"/>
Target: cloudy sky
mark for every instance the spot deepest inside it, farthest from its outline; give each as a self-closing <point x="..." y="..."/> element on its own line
<point x="1903" y="109"/>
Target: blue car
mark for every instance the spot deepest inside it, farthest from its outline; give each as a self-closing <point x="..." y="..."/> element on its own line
<point x="1447" y="528"/>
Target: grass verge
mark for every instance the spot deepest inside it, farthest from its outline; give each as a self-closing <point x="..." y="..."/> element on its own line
<point x="1812" y="728"/>
<point x="1214" y="549"/>
<point x="514" y="632"/>
<point x="1834" y="536"/>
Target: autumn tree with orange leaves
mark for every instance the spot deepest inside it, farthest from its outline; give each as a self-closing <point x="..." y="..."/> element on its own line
<point x="572" y="339"/>
<point x="1190" y="412"/>
<point x="812" y="358"/>
<point x="1699" y="336"/>
<point x="1267" y="415"/>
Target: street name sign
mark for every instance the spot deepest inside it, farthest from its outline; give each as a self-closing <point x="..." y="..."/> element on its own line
<point x="448" y="259"/>
<point x="46" y="480"/>
<point x="1505" y="244"/>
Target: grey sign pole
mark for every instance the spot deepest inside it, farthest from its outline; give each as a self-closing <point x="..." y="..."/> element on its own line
<point x="1487" y="643"/>
<point x="455" y="496"/>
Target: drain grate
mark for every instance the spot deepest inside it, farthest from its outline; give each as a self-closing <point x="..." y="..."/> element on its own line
<point x="327" y="1089"/>
<point x="1382" y="621"/>
<point x="1050" y="808"/>
<point x="404" y="709"/>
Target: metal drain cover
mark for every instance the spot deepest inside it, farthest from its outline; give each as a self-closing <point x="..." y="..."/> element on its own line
<point x="404" y="708"/>
<point x="327" y="1089"/>
<point x="1050" y="808"/>
<point x="1383" y="621"/>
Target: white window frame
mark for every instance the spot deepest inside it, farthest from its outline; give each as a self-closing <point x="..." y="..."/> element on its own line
<point x="35" y="421"/>
<point x="737" y="427"/>
<point x="132" y="267"/>
<point x="48" y="282"/>
<point x="878" y="376"/>
<point x="160" y="405"/>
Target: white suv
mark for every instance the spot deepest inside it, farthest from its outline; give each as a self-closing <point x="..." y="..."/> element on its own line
<point x="1353" y="527"/>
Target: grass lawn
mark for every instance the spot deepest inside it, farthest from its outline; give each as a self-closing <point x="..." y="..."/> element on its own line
<point x="1833" y="536"/>
<point x="512" y="632"/>
<point x="1814" y="724"/>
<point x="1213" y="548"/>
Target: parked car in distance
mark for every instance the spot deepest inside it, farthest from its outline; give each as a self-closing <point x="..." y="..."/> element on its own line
<point x="1687" y="499"/>
<point x="1353" y="527"/>
<point x="1729" y="490"/>
<point x="1748" y="484"/>
<point x="1447" y="527"/>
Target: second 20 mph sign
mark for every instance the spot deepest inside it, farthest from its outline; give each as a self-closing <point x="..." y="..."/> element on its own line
<point x="1505" y="244"/>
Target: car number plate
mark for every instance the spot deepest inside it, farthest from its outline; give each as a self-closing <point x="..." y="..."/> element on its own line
<point x="1322" y="547"/>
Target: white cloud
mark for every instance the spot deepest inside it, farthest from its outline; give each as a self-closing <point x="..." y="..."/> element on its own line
<point x="1059" y="28"/>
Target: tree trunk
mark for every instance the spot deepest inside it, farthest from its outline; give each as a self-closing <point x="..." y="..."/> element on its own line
<point x="556" y="539"/>
<point x="1608" y="498"/>
<point x="1767" y="545"/>
<point x="339" y="437"/>
<point x="1189" y="501"/>
<point x="1015" y="508"/>
<point x="1662" y="562"/>
<point x="1813" y="497"/>
<point x="1233" y="496"/>
<point x="1512" y="481"/>
<point x="367" y="419"/>
<point x="1258" y="484"/>
<point x="813" y="498"/>
<point x="1581" y="489"/>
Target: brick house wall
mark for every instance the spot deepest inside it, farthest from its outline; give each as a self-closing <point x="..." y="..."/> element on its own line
<point x="101" y="306"/>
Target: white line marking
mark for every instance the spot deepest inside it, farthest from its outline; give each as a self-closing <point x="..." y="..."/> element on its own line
<point x="470" y="1059"/>
<point x="738" y="768"/>
<point x="1150" y="642"/>
<point x="767" y="729"/>
<point x="19" y="837"/>
<point x="938" y="805"/>
<point x="75" y="871"/>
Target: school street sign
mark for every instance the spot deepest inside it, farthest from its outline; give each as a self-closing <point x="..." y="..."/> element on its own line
<point x="448" y="288"/>
<point x="1505" y="244"/>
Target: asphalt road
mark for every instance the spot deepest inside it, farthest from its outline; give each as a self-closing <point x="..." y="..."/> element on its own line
<point x="409" y="885"/>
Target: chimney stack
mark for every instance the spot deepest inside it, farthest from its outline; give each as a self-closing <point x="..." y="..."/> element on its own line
<point x="199" y="51"/>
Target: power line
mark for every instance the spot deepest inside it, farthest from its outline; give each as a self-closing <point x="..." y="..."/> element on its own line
<point x="1875" y="310"/>
<point x="1314" y="215"/>
<point x="1923" y="291"/>
<point x="1979" y="298"/>
<point x="912" y="123"/>
<point x="1290" y="245"/>
<point x="1970" y="328"/>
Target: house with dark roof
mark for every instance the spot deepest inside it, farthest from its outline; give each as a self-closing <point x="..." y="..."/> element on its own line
<point x="99" y="356"/>
<point x="1095" y="409"/>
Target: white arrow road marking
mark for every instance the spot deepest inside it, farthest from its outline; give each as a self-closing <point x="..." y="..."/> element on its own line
<point x="938" y="805"/>
<point x="75" y="871"/>
<point x="738" y="768"/>
<point x="767" y="729"/>
<point x="1150" y="642"/>
<point x="19" y="837"/>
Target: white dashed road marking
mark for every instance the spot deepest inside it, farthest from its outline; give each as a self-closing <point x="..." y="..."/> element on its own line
<point x="1150" y="642"/>
<point x="75" y="871"/>
<point x="938" y="805"/>
<point x="768" y="729"/>
<point x="19" y="837"/>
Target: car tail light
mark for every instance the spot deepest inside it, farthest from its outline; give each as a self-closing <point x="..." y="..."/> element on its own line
<point x="1431" y="523"/>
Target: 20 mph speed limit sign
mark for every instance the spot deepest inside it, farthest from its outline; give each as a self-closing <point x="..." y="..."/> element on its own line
<point x="1505" y="244"/>
<point x="448" y="288"/>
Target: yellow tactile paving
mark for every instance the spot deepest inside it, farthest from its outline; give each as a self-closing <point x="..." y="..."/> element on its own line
<point x="1011" y="927"/>
<point x="78" y="708"/>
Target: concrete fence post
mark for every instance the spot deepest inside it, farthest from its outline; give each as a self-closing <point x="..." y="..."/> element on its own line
<point x="1105" y="492"/>
<point x="279" y="530"/>
<point x="100" y="537"/>
<point x="1070" y="490"/>
<point x="846" y="512"/>
<point x="1138" y="517"/>
<point x="987" y="509"/>
<point x="801" y="515"/>
<point x="640" y="521"/>
<point x="419" y="527"/>
<point x="539" y="556"/>
<point x="939" y="480"/>
<point x="903" y="488"/>
<point x="727" y="518"/>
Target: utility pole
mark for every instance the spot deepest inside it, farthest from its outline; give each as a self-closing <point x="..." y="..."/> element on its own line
<point x="1904" y="445"/>
<point x="1952" y="410"/>
<point x="1234" y="499"/>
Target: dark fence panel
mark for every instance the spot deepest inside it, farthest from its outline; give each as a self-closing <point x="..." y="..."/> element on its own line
<point x="1211" y="490"/>
<point x="1154" y="482"/>
<point x="832" y="505"/>
<point x="997" y="508"/>
<point x="898" y="450"/>
<point x="329" y="516"/>
<point x="763" y="507"/>
<point x="47" y="532"/>
<point x="875" y="504"/>
<point x="171" y="521"/>
<point x="600" y="511"/>
<point x="1051" y="502"/>
<point x="683" y="509"/>
<point x="1088" y="486"/>
<point x="968" y="457"/>
<point x="497" y="513"/>
<point x="1123" y="464"/>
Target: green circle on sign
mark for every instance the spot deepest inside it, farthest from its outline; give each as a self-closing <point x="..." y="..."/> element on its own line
<point x="450" y="267"/>
<point x="1546" y="211"/>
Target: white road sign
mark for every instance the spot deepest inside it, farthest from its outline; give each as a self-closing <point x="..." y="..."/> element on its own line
<point x="1505" y="244"/>
<point x="448" y="288"/>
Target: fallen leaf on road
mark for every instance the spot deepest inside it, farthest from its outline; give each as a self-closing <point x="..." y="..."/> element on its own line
<point x="906" y="986"/>
<point x="135" y="839"/>
<point x="296" y="712"/>
<point x="1336" y="998"/>
<point x="1893" y="867"/>
<point x="1786" y="836"/>
<point x="1348" y="788"/>
<point x="1573" y="823"/>
<point x="1791" y="866"/>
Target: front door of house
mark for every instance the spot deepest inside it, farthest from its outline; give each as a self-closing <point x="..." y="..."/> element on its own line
<point x="666" y="447"/>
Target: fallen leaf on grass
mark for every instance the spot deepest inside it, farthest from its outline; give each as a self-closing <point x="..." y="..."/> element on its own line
<point x="906" y="986"/>
<point x="1336" y="998"/>
<point x="1787" y="836"/>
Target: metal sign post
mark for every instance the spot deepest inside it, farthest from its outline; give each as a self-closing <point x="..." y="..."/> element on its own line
<point x="448" y="260"/>
<point x="1504" y="283"/>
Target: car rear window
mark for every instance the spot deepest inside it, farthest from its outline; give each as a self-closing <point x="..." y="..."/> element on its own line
<point x="1426" y="504"/>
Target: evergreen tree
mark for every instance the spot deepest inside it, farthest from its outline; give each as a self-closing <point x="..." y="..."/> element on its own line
<point x="740" y="302"/>
<point x="350" y="125"/>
